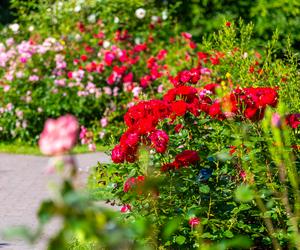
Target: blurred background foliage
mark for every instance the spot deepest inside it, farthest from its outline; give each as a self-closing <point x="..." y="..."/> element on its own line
<point x="200" y="17"/>
<point x="205" y="16"/>
<point x="5" y="12"/>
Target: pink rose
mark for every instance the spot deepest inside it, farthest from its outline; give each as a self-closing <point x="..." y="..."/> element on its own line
<point x="59" y="136"/>
<point x="104" y="122"/>
<point x="125" y="208"/>
<point x="194" y="222"/>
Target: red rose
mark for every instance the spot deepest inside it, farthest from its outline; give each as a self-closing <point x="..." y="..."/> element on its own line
<point x="159" y="140"/>
<point x="178" y="127"/>
<point x="83" y="57"/>
<point x="118" y="154"/>
<point x="293" y="120"/>
<point x="187" y="157"/>
<point x="169" y="166"/>
<point x="130" y="139"/>
<point x="129" y="183"/>
<point x="179" y="108"/>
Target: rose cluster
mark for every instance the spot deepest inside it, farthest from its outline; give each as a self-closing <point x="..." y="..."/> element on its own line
<point x="142" y="119"/>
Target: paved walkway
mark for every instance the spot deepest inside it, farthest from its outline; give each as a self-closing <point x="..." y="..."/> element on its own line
<point x="23" y="185"/>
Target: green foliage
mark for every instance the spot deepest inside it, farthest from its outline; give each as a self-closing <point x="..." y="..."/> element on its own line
<point x="204" y="17"/>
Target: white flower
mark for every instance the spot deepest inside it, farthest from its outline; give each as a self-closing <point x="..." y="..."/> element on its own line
<point x="154" y="19"/>
<point x="136" y="91"/>
<point x="77" y="8"/>
<point x="78" y="37"/>
<point x="140" y="13"/>
<point x="164" y="15"/>
<point x="14" y="27"/>
<point x="116" y="19"/>
<point x="106" y="44"/>
<point x="2" y="47"/>
<point x="31" y="28"/>
<point x="91" y="18"/>
<point x="137" y="40"/>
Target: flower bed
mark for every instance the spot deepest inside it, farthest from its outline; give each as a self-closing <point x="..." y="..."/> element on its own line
<point x="209" y="147"/>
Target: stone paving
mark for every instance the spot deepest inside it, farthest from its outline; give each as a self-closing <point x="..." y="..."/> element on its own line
<point x="23" y="185"/>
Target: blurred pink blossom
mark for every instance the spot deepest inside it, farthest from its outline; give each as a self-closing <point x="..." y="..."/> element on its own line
<point x="125" y="208"/>
<point x="59" y="136"/>
<point x="33" y="78"/>
<point x="101" y="134"/>
<point x="92" y="147"/>
<point x="276" y="120"/>
<point x="107" y="90"/>
<point x="194" y="222"/>
<point x="104" y="122"/>
<point x="160" y="88"/>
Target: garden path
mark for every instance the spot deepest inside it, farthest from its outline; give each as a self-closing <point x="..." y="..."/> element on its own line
<point x="23" y="185"/>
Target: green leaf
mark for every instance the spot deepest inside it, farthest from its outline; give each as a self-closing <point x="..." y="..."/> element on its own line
<point x="228" y="234"/>
<point x="46" y="211"/>
<point x="171" y="227"/>
<point x="204" y="189"/>
<point x="206" y="235"/>
<point x="244" y="194"/>
<point x="180" y="239"/>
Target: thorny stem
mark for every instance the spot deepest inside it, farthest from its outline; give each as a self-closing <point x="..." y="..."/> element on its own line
<point x="209" y="208"/>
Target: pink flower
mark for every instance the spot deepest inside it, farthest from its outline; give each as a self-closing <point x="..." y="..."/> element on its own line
<point x="101" y="134"/>
<point x="276" y="120"/>
<point x="83" y="132"/>
<point x="23" y="59"/>
<point x="33" y="78"/>
<point x="160" y="88"/>
<point x="6" y="88"/>
<point x="59" y="136"/>
<point x="186" y="35"/>
<point x="92" y="147"/>
<point x="136" y="91"/>
<point x="193" y="222"/>
<point x="243" y="175"/>
<point x="107" y="90"/>
<point x="125" y="208"/>
<point x="104" y="122"/>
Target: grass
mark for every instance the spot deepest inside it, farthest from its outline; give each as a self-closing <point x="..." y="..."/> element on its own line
<point x="23" y="148"/>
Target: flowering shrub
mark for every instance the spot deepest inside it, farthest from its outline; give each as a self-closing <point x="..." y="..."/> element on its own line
<point x="94" y="73"/>
<point x="207" y="156"/>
